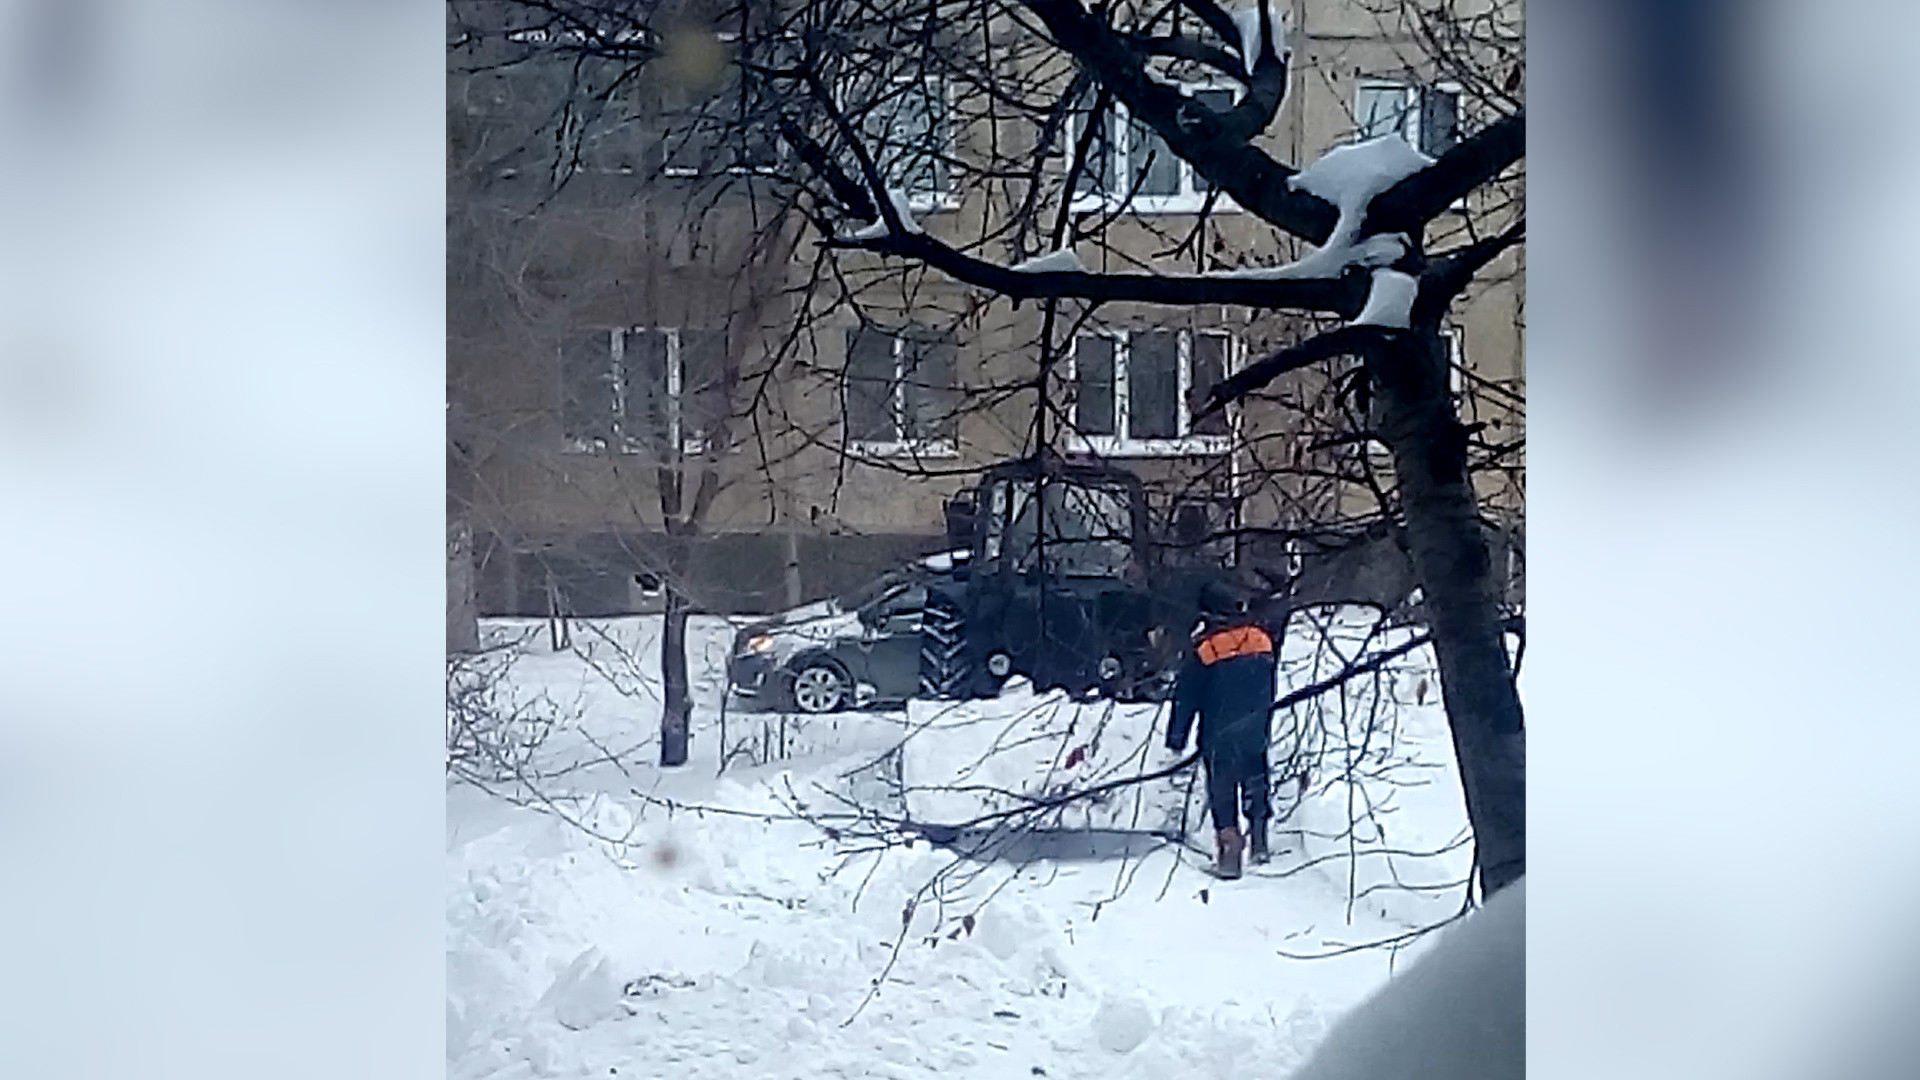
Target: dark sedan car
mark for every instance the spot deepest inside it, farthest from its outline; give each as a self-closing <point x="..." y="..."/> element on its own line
<point x="852" y="651"/>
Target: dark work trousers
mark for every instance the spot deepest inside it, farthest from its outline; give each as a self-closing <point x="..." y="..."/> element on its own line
<point x="1238" y="778"/>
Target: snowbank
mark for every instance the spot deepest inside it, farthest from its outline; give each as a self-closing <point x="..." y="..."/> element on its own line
<point x="1383" y="813"/>
<point x="962" y="761"/>
<point x="1459" y="1012"/>
<point x="723" y="938"/>
<point x="564" y="961"/>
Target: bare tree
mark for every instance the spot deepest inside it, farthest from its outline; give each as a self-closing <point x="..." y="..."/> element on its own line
<point x="655" y="308"/>
<point x="1038" y="129"/>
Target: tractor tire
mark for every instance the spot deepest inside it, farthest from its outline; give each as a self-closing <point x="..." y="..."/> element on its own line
<point x="946" y="661"/>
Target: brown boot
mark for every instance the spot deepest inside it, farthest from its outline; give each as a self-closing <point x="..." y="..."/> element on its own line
<point x="1228" y="864"/>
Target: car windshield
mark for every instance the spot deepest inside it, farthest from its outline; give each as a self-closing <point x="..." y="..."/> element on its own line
<point x="1088" y="529"/>
<point x="871" y="592"/>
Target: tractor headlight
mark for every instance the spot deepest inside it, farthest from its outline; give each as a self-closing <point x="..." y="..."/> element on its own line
<point x="760" y="643"/>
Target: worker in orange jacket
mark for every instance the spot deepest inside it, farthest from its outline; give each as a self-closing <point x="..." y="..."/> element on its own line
<point x="1228" y="683"/>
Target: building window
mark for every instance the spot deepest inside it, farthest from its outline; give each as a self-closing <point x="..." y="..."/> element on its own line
<point x="1137" y="391"/>
<point x="686" y="131"/>
<point x="1427" y="117"/>
<point x="901" y="397"/>
<point x="1129" y="159"/>
<point x="910" y="131"/>
<point x="708" y="130"/>
<point x="644" y="390"/>
<point x="613" y="143"/>
<point x="705" y="133"/>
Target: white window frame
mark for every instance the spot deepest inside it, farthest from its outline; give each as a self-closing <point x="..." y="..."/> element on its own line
<point x="574" y="35"/>
<point x="684" y="172"/>
<point x="644" y="36"/>
<point x="690" y="446"/>
<point x="1121" y="443"/>
<point x="935" y="201"/>
<point x="901" y="445"/>
<point x="1188" y="201"/>
<point x="1410" y="112"/>
<point x="1409" y="109"/>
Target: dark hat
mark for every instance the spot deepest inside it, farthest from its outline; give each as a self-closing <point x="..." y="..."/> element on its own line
<point x="1220" y="601"/>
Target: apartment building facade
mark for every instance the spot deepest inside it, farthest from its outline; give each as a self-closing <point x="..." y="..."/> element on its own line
<point x="659" y="372"/>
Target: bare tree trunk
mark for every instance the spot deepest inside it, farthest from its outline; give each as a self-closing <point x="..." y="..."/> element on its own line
<point x="511" y="552"/>
<point x="463" y="600"/>
<point x="793" y="569"/>
<point x="675" y="691"/>
<point x="463" y="604"/>
<point x="1449" y="549"/>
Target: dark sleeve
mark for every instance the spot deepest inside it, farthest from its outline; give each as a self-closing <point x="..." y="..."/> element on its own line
<point x="1188" y="692"/>
<point x="1269" y="695"/>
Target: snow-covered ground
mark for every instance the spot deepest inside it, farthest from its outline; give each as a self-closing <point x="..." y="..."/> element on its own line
<point x="635" y="922"/>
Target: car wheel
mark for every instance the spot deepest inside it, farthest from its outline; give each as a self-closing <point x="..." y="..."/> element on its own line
<point x="819" y="687"/>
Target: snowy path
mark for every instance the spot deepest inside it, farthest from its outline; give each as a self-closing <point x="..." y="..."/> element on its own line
<point x="724" y="946"/>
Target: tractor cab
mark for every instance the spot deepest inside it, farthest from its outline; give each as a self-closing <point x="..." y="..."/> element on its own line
<point x="1057" y="587"/>
<point x="1050" y="518"/>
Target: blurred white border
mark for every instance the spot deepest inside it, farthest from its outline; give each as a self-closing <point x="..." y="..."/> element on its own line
<point x="221" y="463"/>
<point x="1723" y="588"/>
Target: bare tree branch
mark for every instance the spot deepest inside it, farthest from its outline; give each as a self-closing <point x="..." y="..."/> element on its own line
<point x="1215" y="146"/>
<point x="1341" y="296"/>
<point x="1448" y="274"/>
<point x="1346" y="341"/>
<point x="1409" y="205"/>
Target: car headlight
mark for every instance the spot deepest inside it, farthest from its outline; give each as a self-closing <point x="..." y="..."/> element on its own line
<point x="760" y="643"/>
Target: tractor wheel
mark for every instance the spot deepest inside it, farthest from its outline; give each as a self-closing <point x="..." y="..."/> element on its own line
<point x="946" y="663"/>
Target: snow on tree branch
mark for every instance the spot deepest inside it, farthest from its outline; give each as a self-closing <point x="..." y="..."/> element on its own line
<point x="1390" y="301"/>
<point x="1062" y="260"/>
<point x="1263" y="34"/>
<point x="880" y="229"/>
<point x="1349" y="177"/>
<point x="1217" y="146"/>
